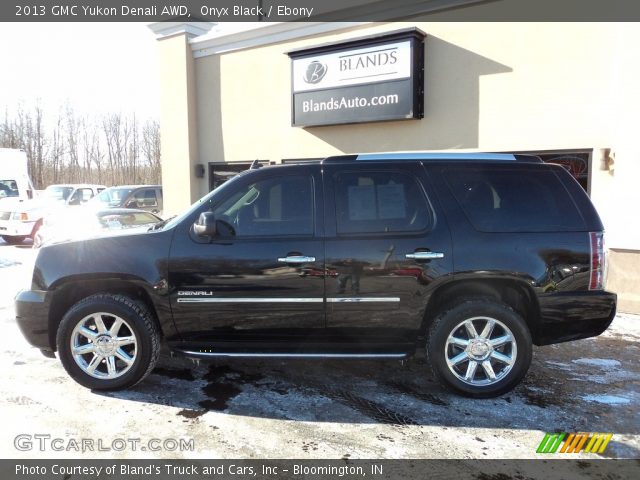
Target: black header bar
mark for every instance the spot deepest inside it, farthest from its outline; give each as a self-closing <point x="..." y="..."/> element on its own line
<point x="343" y="469"/>
<point x="316" y="10"/>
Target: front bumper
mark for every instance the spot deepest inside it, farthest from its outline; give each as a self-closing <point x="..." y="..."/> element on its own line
<point x="16" y="228"/>
<point x="32" y="316"/>
<point x="566" y="316"/>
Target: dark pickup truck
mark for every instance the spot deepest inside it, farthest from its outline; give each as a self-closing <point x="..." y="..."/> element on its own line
<point x="474" y="257"/>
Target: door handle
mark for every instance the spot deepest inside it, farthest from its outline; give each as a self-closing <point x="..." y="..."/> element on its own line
<point x="424" y="255"/>
<point x="297" y="259"/>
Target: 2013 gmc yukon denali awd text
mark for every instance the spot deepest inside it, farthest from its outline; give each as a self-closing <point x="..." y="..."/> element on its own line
<point x="475" y="257"/>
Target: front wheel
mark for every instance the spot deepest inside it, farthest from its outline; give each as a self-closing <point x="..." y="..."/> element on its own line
<point x="11" y="240"/>
<point x="108" y="342"/>
<point x="479" y="348"/>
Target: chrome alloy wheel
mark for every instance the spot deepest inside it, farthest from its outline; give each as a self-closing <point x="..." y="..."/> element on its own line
<point x="104" y="345"/>
<point x="483" y="358"/>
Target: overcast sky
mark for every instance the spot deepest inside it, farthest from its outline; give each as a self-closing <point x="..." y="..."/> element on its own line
<point x="96" y="67"/>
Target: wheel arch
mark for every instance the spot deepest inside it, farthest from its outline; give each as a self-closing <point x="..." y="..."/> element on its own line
<point x="511" y="291"/>
<point x="68" y="293"/>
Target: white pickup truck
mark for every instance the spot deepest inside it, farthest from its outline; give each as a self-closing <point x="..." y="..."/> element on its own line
<point x="20" y="220"/>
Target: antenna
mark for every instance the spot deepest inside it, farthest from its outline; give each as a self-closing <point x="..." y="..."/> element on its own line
<point x="255" y="165"/>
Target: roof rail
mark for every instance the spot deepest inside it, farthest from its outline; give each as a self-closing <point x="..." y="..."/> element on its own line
<point x="435" y="156"/>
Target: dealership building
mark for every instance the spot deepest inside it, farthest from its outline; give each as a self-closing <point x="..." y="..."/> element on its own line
<point x="291" y="92"/>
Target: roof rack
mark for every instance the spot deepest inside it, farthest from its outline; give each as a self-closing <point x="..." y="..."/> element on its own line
<point x="435" y="156"/>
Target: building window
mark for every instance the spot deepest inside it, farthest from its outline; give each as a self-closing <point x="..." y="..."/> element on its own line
<point x="577" y="162"/>
<point x="220" y="172"/>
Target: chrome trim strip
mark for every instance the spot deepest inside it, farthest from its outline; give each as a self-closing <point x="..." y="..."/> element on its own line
<point x="287" y="300"/>
<point x="248" y="300"/>
<point x="294" y="355"/>
<point x="361" y="299"/>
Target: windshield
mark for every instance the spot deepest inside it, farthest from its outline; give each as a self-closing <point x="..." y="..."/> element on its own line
<point x="57" y="193"/>
<point x="112" y="197"/>
<point x="129" y="219"/>
<point x="8" y="188"/>
<point x="207" y="199"/>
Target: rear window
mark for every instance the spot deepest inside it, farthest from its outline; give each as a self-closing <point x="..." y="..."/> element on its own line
<point x="514" y="200"/>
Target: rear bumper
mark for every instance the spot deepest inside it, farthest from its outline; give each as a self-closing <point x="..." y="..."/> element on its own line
<point x="16" y="228"/>
<point x="566" y="316"/>
<point x="32" y="316"/>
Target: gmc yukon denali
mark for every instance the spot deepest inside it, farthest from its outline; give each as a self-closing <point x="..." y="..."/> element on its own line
<point x="472" y="257"/>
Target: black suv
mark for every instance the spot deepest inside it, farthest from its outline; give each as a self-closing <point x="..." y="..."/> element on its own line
<point x="474" y="257"/>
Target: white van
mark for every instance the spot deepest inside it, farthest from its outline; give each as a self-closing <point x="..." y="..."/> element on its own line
<point x="15" y="184"/>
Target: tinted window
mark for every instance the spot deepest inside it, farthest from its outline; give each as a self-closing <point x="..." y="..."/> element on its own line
<point x="146" y="198"/>
<point x="113" y="197"/>
<point x="271" y="207"/>
<point x="379" y="202"/>
<point x="514" y="200"/>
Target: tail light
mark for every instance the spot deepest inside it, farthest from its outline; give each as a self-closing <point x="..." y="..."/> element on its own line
<point x="598" y="261"/>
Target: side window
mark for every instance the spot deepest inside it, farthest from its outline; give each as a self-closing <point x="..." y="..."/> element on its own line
<point x="270" y="207"/>
<point x="81" y="195"/>
<point x="379" y="202"/>
<point x="87" y="194"/>
<point x="514" y="200"/>
<point x="146" y="198"/>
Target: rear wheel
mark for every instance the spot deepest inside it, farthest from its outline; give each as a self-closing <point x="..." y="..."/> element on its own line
<point x="14" y="240"/>
<point x="480" y="348"/>
<point x="108" y="342"/>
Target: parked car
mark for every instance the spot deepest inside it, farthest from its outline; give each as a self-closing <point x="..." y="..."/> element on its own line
<point x="86" y="223"/>
<point x="23" y="220"/>
<point x="142" y="197"/>
<point x="229" y="277"/>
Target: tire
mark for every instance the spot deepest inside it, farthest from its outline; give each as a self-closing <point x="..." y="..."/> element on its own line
<point x="103" y="365"/>
<point x="11" y="240"/>
<point x="507" y="348"/>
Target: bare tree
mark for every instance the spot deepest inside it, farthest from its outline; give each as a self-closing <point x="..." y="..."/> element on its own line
<point x="151" y="149"/>
<point x="112" y="149"/>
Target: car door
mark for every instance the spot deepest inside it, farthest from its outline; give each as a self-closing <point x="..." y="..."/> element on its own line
<point x="261" y="278"/>
<point x="386" y="248"/>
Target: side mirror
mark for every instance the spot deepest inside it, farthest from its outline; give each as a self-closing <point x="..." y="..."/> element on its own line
<point x="206" y="225"/>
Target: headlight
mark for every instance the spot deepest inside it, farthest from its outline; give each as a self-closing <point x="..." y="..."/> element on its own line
<point x="22" y="216"/>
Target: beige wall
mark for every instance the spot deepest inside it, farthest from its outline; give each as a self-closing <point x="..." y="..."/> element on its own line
<point x="177" y="123"/>
<point x="623" y="278"/>
<point x="488" y="87"/>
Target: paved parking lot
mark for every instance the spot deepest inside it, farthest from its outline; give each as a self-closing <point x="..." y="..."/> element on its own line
<point x="314" y="409"/>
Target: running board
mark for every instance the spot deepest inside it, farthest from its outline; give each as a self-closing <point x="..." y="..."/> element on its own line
<point x="354" y="356"/>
